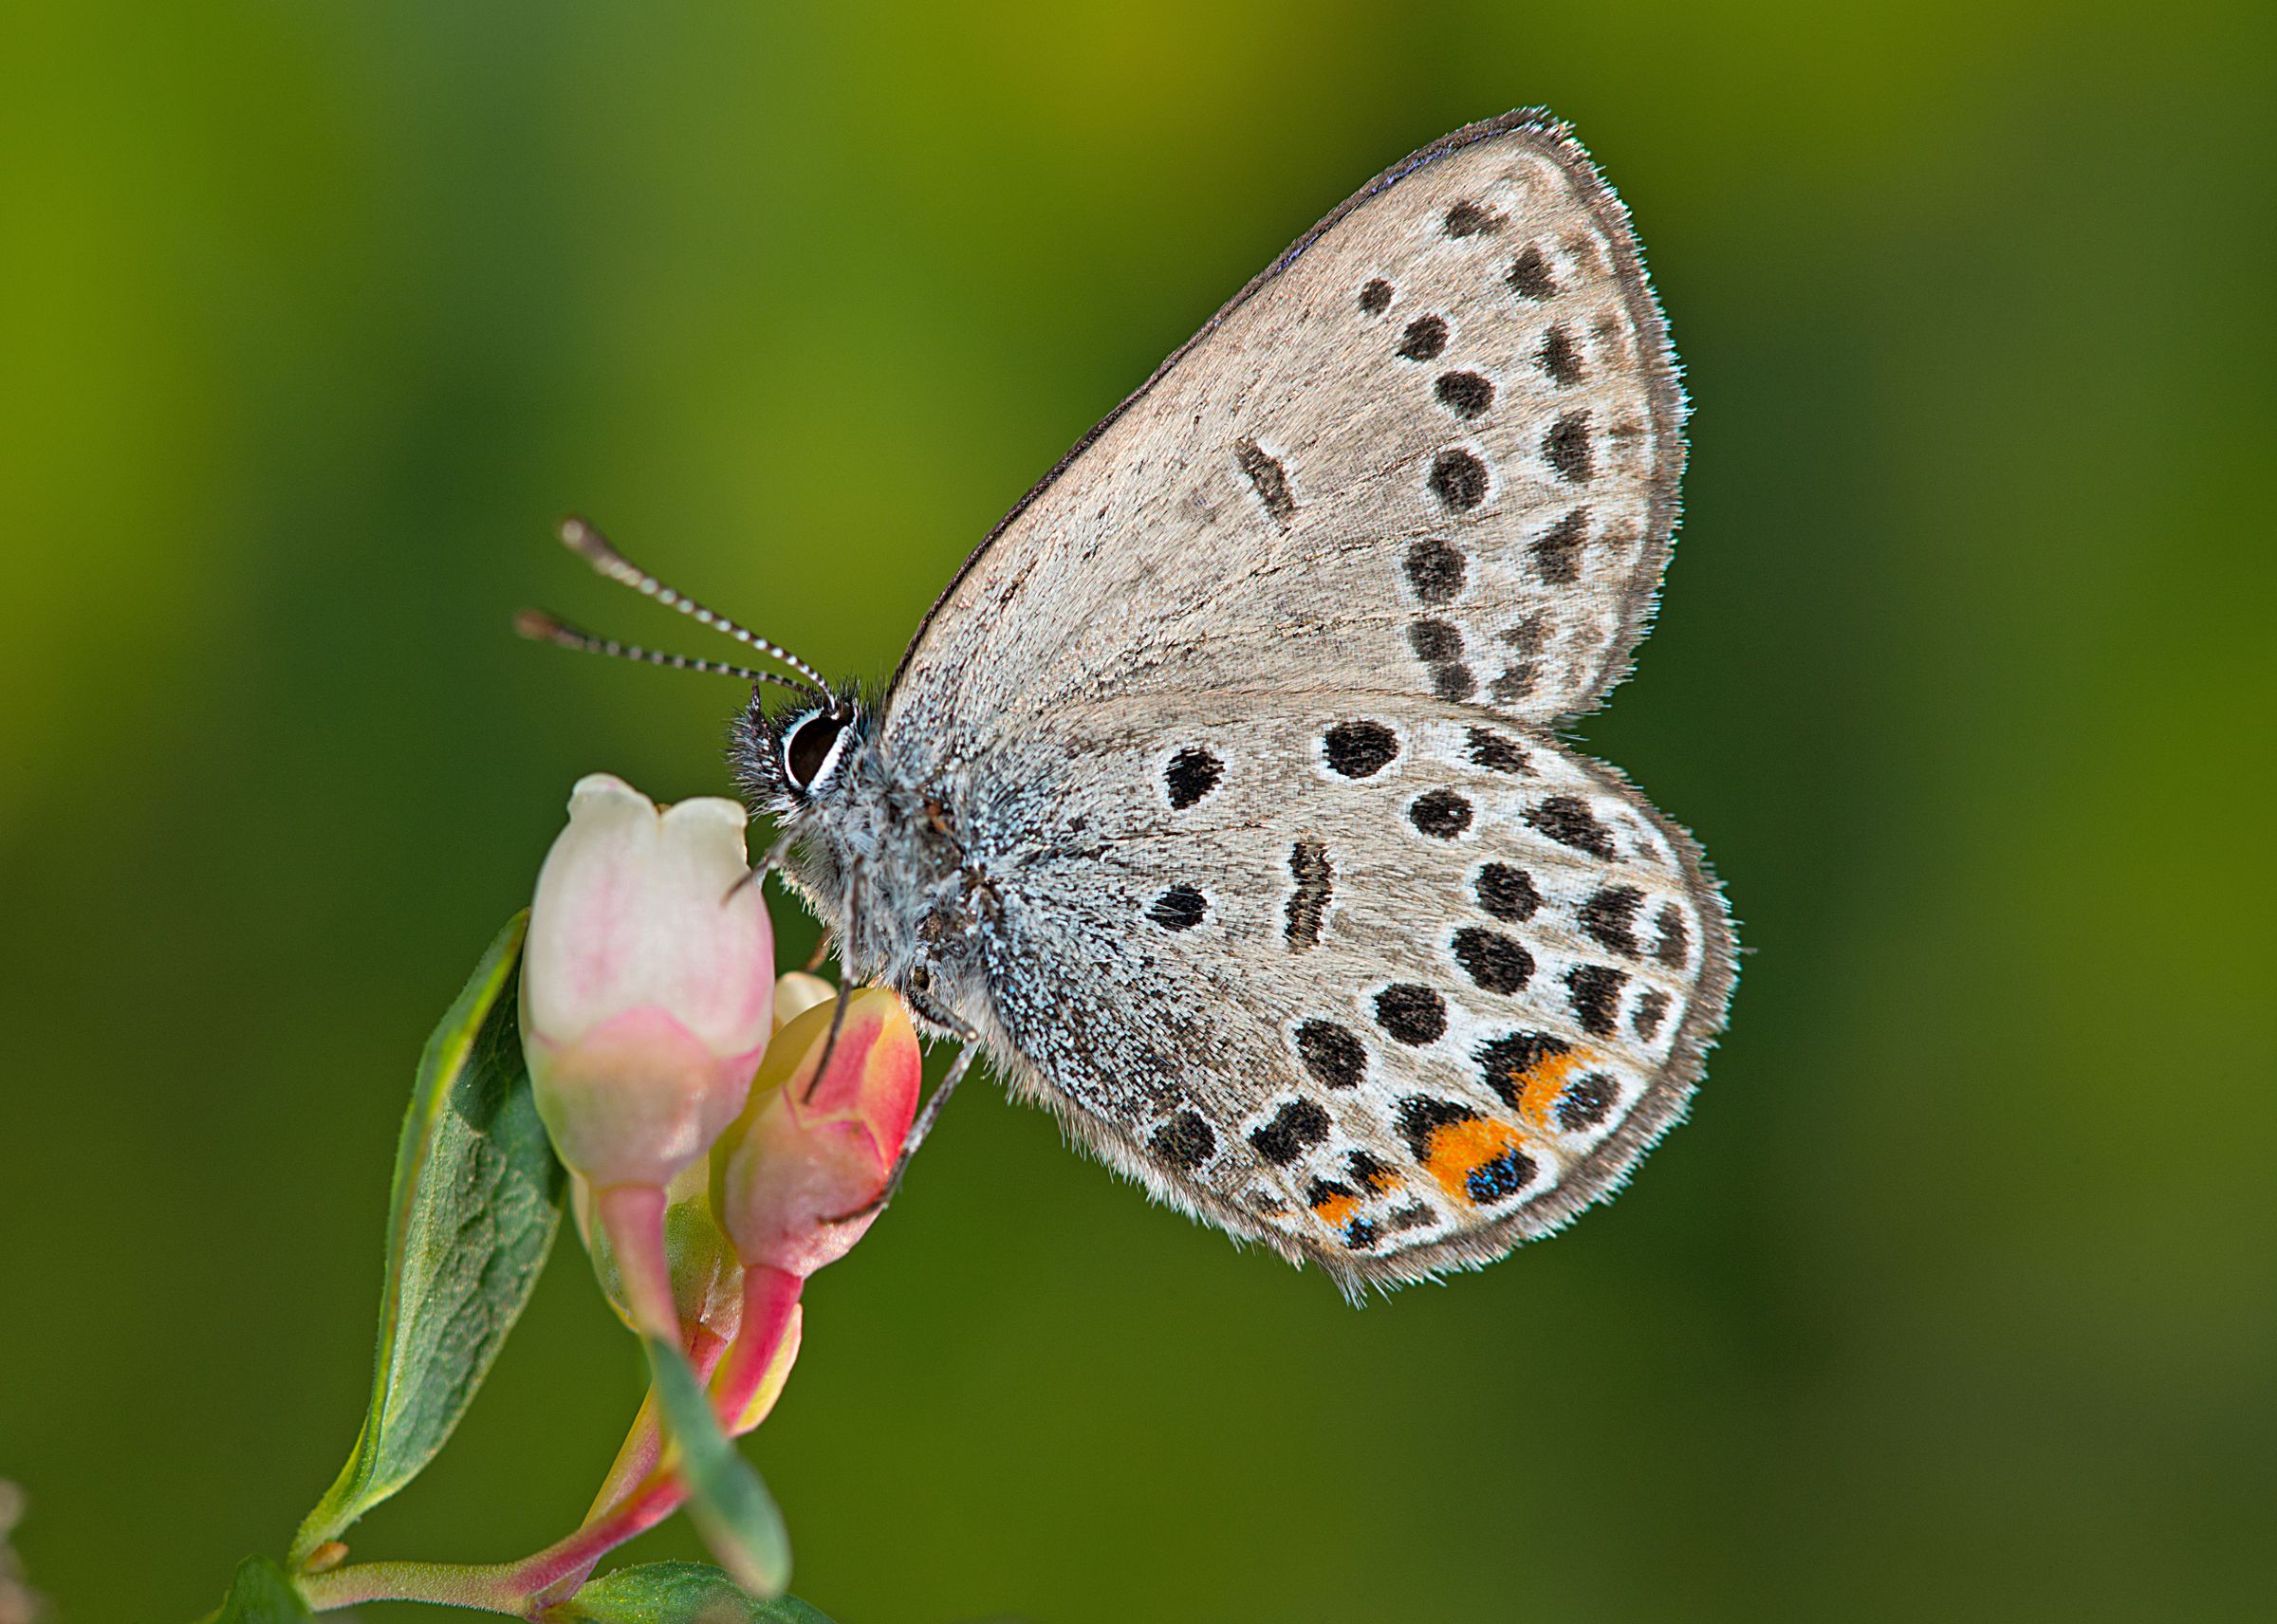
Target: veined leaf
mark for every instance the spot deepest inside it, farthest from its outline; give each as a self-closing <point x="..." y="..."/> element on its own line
<point x="472" y="1214"/>
<point x="677" y="1593"/>
<point x="261" y="1594"/>
<point x="728" y="1504"/>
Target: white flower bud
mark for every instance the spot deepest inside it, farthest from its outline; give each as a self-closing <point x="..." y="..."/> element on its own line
<point x="647" y="982"/>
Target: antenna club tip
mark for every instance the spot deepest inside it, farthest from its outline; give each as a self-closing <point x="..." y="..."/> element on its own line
<point x="580" y="538"/>
<point x="535" y="624"/>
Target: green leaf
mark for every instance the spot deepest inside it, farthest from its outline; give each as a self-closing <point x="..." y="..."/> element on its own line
<point x="677" y="1593"/>
<point x="728" y="1504"/>
<point x="261" y="1594"/>
<point x="476" y="1199"/>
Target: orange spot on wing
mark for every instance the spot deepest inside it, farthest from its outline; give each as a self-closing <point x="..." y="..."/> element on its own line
<point x="1460" y="1149"/>
<point x="1541" y="1084"/>
<point x="1333" y="1210"/>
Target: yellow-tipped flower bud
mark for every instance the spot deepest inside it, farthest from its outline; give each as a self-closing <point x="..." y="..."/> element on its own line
<point x="795" y="1166"/>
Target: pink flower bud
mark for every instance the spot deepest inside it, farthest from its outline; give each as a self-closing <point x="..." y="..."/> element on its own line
<point x="647" y="982"/>
<point x="793" y="1165"/>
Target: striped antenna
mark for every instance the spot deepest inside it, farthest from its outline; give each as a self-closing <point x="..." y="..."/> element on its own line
<point x="590" y="545"/>
<point x="540" y="627"/>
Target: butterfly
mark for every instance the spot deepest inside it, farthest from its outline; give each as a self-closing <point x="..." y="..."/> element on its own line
<point x="1219" y="799"/>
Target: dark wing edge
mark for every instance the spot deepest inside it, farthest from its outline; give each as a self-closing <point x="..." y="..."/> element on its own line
<point x="1669" y="404"/>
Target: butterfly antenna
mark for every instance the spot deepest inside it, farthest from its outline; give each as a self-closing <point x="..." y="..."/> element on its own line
<point x="590" y="545"/>
<point x="540" y="627"/>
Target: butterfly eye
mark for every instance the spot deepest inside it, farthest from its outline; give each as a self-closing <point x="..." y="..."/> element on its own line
<point x="809" y="746"/>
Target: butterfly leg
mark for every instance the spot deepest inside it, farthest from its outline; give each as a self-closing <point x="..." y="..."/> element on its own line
<point x="822" y="1067"/>
<point x="918" y="1129"/>
<point x="758" y="874"/>
<point x="838" y="1005"/>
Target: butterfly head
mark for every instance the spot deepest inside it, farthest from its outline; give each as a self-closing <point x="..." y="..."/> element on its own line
<point x="791" y="757"/>
<point x="784" y="762"/>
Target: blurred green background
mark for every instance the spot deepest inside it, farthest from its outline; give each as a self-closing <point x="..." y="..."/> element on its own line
<point x="1957" y="1298"/>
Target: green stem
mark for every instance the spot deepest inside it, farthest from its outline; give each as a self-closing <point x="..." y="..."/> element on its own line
<point x="519" y="1590"/>
<point x="444" y="1584"/>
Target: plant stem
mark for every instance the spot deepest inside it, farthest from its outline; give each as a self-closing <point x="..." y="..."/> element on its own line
<point x="519" y="1589"/>
<point x="643" y="1445"/>
<point x="632" y="1215"/>
<point x="770" y="1297"/>
<point x="444" y="1584"/>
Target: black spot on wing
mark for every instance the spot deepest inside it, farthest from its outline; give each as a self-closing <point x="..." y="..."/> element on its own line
<point x="1567" y="447"/>
<point x="1459" y="479"/>
<point x="1434" y="640"/>
<point x="1559" y="355"/>
<point x="1557" y="551"/>
<point x="1496" y="753"/>
<point x="1531" y="276"/>
<point x="1465" y="394"/>
<point x="1371" y="1174"/>
<point x="1180" y="908"/>
<point x="1594" y="990"/>
<point x="1442" y="814"/>
<point x="1376" y="296"/>
<point x="1468" y="219"/>
<point x="1454" y="682"/>
<point x="1333" y="1054"/>
<point x="1499" y="1179"/>
<point x="1585" y="1102"/>
<point x="1268" y="478"/>
<point x="1296" y="1125"/>
<point x="1185" y="1141"/>
<point x="1674" y="946"/>
<point x="1503" y="1063"/>
<point x="1359" y="750"/>
<point x="1412" y="1015"/>
<point x="1610" y="918"/>
<point x="1419" y="1116"/>
<point x="1193" y="772"/>
<point x="1426" y="336"/>
<point x="1567" y="820"/>
<point x="1507" y="893"/>
<point x="1435" y="569"/>
<point x="1495" y="963"/>
<point x="1315" y="884"/>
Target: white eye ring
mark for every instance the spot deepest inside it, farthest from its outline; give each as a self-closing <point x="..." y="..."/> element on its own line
<point x="829" y="762"/>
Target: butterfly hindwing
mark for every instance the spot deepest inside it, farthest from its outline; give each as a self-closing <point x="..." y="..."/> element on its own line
<point x="1375" y="980"/>
<point x="1435" y="450"/>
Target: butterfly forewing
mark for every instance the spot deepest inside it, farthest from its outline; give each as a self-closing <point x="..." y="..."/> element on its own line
<point x="1372" y="979"/>
<point x="1435" y="450"/>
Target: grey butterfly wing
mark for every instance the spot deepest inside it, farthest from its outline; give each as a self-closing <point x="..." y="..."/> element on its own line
<point x="1373" y="979"/>
<point x="1434" y="449"/>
